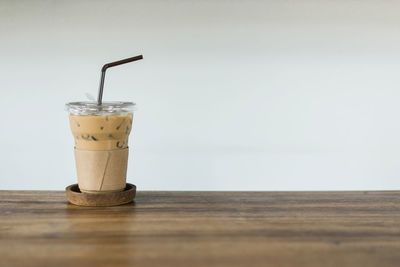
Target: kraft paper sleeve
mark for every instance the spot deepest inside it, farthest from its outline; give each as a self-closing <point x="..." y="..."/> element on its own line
<point x="101" y="171"/>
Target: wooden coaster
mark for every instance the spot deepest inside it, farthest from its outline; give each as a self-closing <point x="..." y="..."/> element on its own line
<point x="75" y="196"/>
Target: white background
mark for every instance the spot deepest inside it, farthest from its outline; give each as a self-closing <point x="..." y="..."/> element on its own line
<point x="232" y="95"/>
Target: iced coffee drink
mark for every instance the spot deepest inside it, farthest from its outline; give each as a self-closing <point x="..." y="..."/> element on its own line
<point x="107" y="132"/>
<point x="101" y="135"/>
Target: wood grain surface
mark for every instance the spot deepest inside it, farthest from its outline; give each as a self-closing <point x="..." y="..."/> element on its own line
<point x="39" y="228"/>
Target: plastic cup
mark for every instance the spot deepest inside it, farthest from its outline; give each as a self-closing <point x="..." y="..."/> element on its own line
<point x="101" y="134"/>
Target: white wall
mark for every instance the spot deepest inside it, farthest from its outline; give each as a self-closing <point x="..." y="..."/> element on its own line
<point x="232" y="95"/>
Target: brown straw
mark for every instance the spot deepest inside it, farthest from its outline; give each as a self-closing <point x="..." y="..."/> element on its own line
<point x="103" y="73"/>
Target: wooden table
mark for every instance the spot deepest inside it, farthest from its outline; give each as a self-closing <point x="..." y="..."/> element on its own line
<point x="39" y="228"/>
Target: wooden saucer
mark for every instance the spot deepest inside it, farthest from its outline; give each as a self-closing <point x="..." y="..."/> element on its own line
<point x="75" y="196"/>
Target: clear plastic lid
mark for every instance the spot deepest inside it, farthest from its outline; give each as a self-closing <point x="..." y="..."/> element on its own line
<point x="105" y="109"/>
